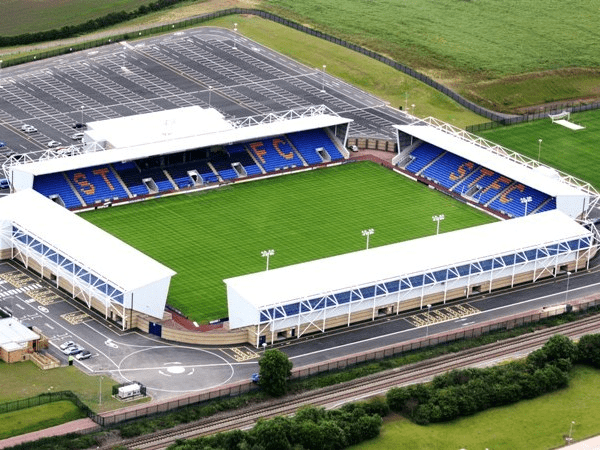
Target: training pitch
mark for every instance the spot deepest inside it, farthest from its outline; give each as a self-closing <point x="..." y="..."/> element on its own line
<point x="211" y="235"/>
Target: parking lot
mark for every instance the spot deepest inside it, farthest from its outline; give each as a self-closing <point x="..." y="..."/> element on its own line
<point x="204" y="66"/>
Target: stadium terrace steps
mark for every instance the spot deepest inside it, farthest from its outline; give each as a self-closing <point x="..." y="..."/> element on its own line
<point x="97" y="184"/>
<point x="275" y="154"/>
<point x="423" y="155"/>
<point x="479" y="183"/>
<point x="53" y="184"/>
<point x="307" y="144"/>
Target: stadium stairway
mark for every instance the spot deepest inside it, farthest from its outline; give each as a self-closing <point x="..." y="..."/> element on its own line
<point x="97" y="184"/>
<point x="57" y="184"/>
<point x="275" y="154"/>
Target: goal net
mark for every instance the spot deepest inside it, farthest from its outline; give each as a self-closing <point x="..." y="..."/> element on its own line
<point x="560" y="116"/>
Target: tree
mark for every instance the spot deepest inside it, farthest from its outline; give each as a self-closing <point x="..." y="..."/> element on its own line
<point x="588" y="349"/>
<point x="275" y="369"/>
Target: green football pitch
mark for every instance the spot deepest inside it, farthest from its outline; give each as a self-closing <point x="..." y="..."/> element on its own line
<point x="573" y="152"/>
<point x="211" y="235"/>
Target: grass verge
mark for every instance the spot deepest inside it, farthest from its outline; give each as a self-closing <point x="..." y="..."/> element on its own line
<point x="37" y="418"/>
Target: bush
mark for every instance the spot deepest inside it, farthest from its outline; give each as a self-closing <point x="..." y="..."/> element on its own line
<point x="275" y="370"/>
<point x="588" y="350"/>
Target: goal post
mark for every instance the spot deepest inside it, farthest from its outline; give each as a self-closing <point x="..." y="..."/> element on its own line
<point x="560" y="116"/>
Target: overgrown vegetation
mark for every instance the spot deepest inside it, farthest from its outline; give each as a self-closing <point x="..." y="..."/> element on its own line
<point x="309" y="429"/>
<point x="275" y="371"/>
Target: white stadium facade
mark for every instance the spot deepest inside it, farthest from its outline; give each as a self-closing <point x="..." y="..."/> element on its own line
<point x="122" y="284"/>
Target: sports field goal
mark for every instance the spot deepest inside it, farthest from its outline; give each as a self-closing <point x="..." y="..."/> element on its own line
<point x="564" y="119"/>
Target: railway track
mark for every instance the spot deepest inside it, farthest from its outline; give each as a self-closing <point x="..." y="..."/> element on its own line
<point x="365" y="387"/>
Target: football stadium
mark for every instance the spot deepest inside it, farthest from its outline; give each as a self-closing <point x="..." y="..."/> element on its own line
<point x="273" y="225"/>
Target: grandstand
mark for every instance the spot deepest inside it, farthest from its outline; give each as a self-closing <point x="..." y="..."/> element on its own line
<point x="487" y="175"/>
<point x="315" y="296"/>
<point x="166" y="152"/>
<point x="103" y="272"/>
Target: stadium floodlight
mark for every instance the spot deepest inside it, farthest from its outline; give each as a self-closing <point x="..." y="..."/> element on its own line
<point x="567" y="291"/>
<point x="323" y="78"/>
<point x="539" y="149"/>
<point x="438" y="219"/>
<point x="526" y="200"/>
<point x="267" y="254"/>
<point x="367" y="234"/>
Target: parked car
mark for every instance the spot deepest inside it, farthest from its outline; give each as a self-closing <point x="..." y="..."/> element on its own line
<point x="84" y="354"/>
<point x="53" y="144"/>
<point x="66" y="344"/>
<point x="2" y="144"/>
<point x="72" y="350"/>
<point x="28" y="128"/>
<point x="4" y="184"/>
<point x="255" y="377"/>
<point x="79" y="125"/>
<point x="77" y="136"/>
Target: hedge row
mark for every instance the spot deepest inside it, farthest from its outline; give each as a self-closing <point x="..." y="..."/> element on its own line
<point x="68" y="31"/>
<point x="467" y="391"/>
<point x="310" y="429"/>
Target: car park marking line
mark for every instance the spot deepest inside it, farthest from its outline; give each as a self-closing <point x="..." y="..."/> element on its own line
<point x="75" y="318"/>
<point x="240" y="354"/>
<point x="444" y="314"/>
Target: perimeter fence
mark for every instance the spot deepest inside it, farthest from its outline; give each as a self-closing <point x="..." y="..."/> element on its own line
<point x="43" y="399"/>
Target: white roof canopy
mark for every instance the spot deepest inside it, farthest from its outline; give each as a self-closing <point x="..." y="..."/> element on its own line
<point x="338" y="273"/>
<point x="85" y="244"/>
<point x="174" y="131"/>
<point x="13" y="335"/>
<point x="538" y="178"/>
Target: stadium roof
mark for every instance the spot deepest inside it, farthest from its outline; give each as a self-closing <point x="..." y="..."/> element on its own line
<point x="338" y="273"/>
<point x="537" y="178"/>
<point x="177" y="130"/>
<point x="85" y="244"/>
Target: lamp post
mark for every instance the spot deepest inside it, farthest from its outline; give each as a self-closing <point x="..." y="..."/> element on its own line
<point x="82" y="107"/>
<point x="571" y="431"/>
<point x="526" y="201"/>
<point x="438" y="219"/>
<point x="367" y="234"/>
<point x="267" y="254"/>
<point x="209" y="95"/>
<point x="539" y="149"/>
<point x="413" y="109"/>
<point x="406" y="101"/>
<point x="235" y="31"/>
<point x="567" y="291"/>
<point x="323" y="78"/>
<point x="428" y="312"/>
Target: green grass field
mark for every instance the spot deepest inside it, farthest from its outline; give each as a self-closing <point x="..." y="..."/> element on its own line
<point x="209" y="236"/>
<point x="574" y="152"/>
<point x="529" y="425"/>
<point x="25" y="379"/>
<point x="40" y="417"/>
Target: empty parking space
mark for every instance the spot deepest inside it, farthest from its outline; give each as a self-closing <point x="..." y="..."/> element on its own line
<point x="203" y="66"/>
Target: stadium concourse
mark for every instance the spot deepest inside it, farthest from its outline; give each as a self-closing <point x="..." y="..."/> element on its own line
<point x="177" y="151"/>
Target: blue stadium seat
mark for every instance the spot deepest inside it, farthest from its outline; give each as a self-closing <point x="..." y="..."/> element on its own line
<point x="446" y="169"/>
<point x="275" y="154"/>
<point x="423" y="155"/>
<point x="307" y="143"/>
<point x="56" y="184"/>
<point x="510" y="200"/>
<point x="96" y="184"/>
<point x="238" y="153"/>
